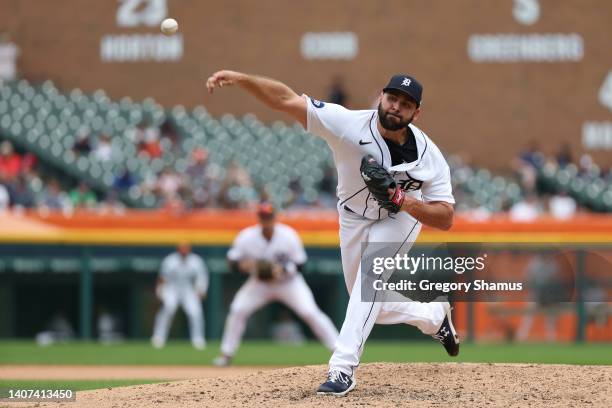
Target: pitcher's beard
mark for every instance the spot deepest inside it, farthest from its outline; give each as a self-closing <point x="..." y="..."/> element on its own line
<point x="387" y="124"/>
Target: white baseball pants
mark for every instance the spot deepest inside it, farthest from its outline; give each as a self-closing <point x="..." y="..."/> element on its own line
<point x="293" y="292"/>
<point x="191" y="304"/>
<point x="402" y="230"/>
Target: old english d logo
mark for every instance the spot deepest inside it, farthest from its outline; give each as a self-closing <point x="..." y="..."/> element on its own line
<point x="410" y="184"/>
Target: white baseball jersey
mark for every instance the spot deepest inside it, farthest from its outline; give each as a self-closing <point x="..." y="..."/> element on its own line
<point x="285" y="247"/>
<point x="352" y="134"/>
<point x="184" y="273"/>
<point x="184" y="278"/>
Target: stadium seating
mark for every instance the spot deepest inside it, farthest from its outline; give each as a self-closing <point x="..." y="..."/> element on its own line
<point x="43" y="120"/>
<point x="481" y="189"/>
<point x="589" y="189"/>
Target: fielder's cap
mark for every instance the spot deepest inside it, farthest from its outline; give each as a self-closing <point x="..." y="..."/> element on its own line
<point x="406" y="84"/>
<point x="265" y="210"/>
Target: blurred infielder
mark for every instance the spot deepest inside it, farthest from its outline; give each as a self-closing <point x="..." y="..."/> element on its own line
<point x="183" y="279"/>
<point x="391" y="179"/>
<point x="273" y="255"/>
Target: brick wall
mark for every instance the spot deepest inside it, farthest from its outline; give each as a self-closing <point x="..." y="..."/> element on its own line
<point x="487" y="111"/>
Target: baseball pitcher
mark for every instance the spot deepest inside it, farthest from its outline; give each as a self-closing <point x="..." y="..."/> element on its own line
<point x="392" y="179"/>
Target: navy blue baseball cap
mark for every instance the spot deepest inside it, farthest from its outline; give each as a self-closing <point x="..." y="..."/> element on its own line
<point x="406" y="84"/>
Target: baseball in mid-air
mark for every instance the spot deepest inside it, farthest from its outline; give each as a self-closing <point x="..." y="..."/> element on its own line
<point x="169" y="26"/>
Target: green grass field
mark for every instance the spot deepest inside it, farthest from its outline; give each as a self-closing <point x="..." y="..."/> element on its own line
<point x="75" y="385"/>
<point x="266" y="353"/>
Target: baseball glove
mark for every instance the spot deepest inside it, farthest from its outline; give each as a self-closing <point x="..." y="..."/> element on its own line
<point x="267" y="271"/>
<point x="379" y="182"/>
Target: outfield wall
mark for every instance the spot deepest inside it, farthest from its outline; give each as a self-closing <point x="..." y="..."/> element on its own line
<point x="87" y="263"/>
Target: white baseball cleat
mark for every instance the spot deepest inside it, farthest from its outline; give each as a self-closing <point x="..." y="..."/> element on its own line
<point x="199" y="344"/>
<point x="222" y="361"/>
<point x="157" y="342"/>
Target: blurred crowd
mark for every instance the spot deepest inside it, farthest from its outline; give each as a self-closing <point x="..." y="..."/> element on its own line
<point x="203" y="183"/>
<point x="199" y="182"/>
<point x="535" y="199"/>
<point x="25" y="182"/>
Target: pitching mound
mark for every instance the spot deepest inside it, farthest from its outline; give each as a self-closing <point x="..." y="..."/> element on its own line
<point x="414" y="385"/>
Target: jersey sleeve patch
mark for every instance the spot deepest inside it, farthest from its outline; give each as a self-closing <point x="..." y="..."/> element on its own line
<point x="316" y="103"/>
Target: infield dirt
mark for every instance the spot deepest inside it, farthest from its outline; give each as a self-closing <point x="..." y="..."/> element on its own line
<point x="381" y="384"/>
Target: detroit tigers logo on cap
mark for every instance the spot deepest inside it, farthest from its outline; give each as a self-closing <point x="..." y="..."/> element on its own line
<point x="316" y="103"/>
<point x="406" y="84"/>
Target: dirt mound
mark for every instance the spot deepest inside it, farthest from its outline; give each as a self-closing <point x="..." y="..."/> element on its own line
<point x="414" y="385"/>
